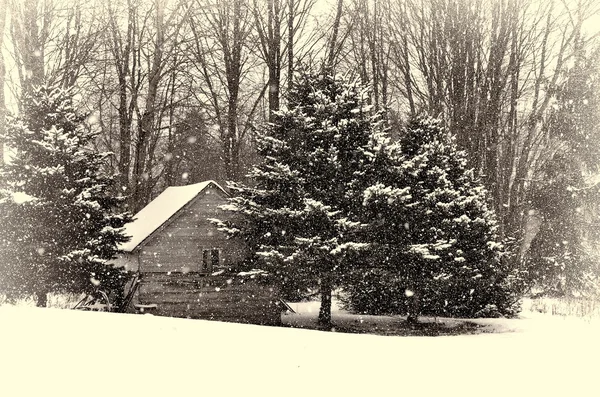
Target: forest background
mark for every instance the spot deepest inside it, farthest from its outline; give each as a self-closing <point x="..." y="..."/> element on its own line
<point x="177" y="90"/>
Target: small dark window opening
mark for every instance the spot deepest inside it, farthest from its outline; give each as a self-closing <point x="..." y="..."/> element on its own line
<point x="214" y="256"/>
<point x="205" y="261"/>
<point x="210" y="260"/>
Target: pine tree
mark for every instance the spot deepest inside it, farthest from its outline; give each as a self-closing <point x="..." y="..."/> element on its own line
<point x="434" y="246"/>
<point x="298" y="217"/>
<point x="560" y="262"/>
<point x="60" y="223"/>
<point x="561" y="259"/>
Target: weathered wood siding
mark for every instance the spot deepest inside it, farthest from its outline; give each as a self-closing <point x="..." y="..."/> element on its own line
<point x="178" y="245"/>
<point x="223" y="297"/>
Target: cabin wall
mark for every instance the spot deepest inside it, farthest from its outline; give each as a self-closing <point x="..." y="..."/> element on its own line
<point x="178" y="246"/>
<point x="225" y="297"/>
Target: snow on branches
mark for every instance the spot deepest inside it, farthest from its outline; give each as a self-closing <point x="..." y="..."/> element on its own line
<point x="59" y="214"/>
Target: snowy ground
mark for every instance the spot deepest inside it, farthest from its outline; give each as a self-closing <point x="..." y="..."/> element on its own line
<point x="52" y="352"/>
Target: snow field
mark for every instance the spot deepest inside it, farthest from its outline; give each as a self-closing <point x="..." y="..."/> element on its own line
<point x="52" y="352"/>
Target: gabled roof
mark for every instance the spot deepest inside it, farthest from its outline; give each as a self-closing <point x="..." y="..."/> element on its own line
<point x="160" y="210"/>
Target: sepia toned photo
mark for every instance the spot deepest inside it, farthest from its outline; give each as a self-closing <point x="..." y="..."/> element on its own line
<point x="299" y="198"/>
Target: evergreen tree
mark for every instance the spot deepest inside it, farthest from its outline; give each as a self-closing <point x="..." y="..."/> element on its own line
<point x="561" y="259"/>
<point x="434" y="246"/>
<point x="60" y="223"/>
<point x="299" y="216"/>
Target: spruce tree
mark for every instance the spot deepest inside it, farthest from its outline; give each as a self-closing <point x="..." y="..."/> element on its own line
<point x="434" y="245"/>
<point x="299" y="216"/>
<point x="561" y="260"/>
<point x="59" y="216"/>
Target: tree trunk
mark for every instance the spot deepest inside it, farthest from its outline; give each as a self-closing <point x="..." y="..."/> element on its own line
<point x="414" y="307"/>
<point x="2" y="73"/>
<point x="373" y="56"/>
<point x="326" y="289"/>
<point x="141" y="164"/>
<point x="230" y="142"/>
<point x="29" y="40"/>
<point x="333" y="44"/>
<point x="274" y="55"/>
<point x="233" y="70"/>
<point x="408" y="78"/>
<point x="124" y="161"/>
<point x="290" y="48"/>
<point x="41" y="296"/>
<point x="122" y="51"/>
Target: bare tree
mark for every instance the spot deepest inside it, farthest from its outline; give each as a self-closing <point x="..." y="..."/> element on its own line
<point x="142" y="43"/>
<point x="270" y="36"/>
<point x="49" y="42"/>
<point x="122" y="45"/>
<point x="30" y="30"/>
<point x="371" y="48"/>
<point x="164" y="49"/>
<point x="221" y="49"/>
<point x="489" y="69"/>
<point x="75" y="43"/>
<point x="274" y="44"/>
<point x="336" y="40"/>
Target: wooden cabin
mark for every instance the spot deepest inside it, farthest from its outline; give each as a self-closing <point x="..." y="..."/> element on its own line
<point x="184" y="263"/>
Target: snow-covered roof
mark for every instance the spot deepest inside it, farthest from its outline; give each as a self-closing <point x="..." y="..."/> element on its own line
<point x="160" y="210"/>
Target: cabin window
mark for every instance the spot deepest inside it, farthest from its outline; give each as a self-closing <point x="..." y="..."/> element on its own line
<point x="205" y="260"/>
<point x="214" y="258"/>
<point x="210" y="259"/>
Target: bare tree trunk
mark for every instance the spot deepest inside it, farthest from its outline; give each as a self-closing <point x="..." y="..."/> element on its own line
<point x="326" y="289"/>
<point x="269" y="33"/>
<point x="29" y="41"/>
<point x="124" y="161"/>
<point x="141" y="167"/>
<point x="122" y="48"/>
<point x="223" y="70"/>
<point x="333" y="42"/>
<point x="233" y="66"/>
<point x="230" y="140"/>
<point x="170" y="159"/>
<point x="2" y="76"/>
<point x="40" y="286"/>
<point x="373" y="53"/>
<point x="511" y="134"/>
<point x="408" y="78"/>
<point x="290" y="48"/>
<point x="274" y="55"/>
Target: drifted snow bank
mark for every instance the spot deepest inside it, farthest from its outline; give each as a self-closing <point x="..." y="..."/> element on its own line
<point x="51" y="352"/>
